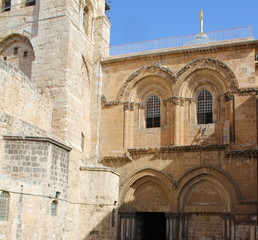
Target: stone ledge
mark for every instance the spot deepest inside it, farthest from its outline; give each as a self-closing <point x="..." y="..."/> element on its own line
<point x="99" y="169"/>
<point x="238" y="153"/>
<point x="175" y="149"/>
<point x="37" y="139"/>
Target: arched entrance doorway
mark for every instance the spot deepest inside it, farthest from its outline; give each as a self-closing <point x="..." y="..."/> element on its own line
<point x="145" y="204"/>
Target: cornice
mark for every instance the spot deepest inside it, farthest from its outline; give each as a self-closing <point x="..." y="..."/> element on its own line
<point x="243" y="153"/>
<point x="118" y="158"/>
<point x="99" y="169"/>
<point x="37" y="139"/>
<point x="176" y="149"/>
<point x="210" y="48"/>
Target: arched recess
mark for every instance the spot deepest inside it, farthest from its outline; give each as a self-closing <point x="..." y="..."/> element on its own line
<point x="215" y="69"/>
<point x="164" y="75"/>
<point x="146" y="191"/>
<point x="198" y="185"/>
<point x="18" y="50"/>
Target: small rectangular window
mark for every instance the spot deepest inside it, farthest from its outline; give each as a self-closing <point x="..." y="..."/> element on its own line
<point x="30" y="3"/>
<point x="5" y="58"/>
<point x="15" y="51"/>
<point x="25" y="53"/>
<point x="6" y="5"/>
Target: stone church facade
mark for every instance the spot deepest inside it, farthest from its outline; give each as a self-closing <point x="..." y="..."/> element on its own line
<point x="154" y="145"/>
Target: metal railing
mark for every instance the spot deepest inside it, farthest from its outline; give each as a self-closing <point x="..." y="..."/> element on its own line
<point x="181" y="41"/>
<point x="25" y="3"/>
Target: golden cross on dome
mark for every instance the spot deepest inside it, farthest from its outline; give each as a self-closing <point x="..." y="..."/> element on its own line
<point x="201" y="16"/>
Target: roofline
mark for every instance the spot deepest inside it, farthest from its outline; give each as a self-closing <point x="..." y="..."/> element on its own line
<point x="209" y="47"/>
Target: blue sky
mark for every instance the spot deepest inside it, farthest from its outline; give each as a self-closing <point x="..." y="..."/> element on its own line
<point x="141" y="20"/>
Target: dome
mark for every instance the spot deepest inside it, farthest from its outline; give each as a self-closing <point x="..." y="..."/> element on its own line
<point x="200" y="38"/>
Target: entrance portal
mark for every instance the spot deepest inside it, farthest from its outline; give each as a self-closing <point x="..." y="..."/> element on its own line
<point x="150" y="226"/>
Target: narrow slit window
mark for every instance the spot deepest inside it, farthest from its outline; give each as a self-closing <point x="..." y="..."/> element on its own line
<point x="4" y="206"/>
<point x="15" y="51"/>
<point x="53" y="208"/>
<point x="6" y="5"/>
<point x="153" y="112"/>
<point x="204" y="107"/>
<point x="30" y="3"/>
<point x="25" y="53"/>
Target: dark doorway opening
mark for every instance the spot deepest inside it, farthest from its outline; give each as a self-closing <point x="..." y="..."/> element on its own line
<point x="150" y="226"/>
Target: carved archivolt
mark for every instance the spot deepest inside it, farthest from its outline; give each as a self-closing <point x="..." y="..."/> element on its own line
<point x="221" y="181"/>
<point x="163" y="72"/>
<point x="158" y="184"/>
<point x="212" y="67"/>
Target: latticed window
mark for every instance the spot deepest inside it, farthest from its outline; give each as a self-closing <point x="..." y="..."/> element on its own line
<point x="204" y="107"/>
<point x="53" y="208"/>
<point x="153" y="112"/>
<point x="4" y="206"/>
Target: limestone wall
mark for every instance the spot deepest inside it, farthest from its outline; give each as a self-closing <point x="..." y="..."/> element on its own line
<point x="21" y="100"/>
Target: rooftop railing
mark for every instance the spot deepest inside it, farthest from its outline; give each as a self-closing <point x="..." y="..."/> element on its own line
<point x="181" y="41"/>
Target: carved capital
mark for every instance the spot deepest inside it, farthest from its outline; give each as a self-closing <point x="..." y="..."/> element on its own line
<point x="128" y="106"/>
<point x="229" y="96"/>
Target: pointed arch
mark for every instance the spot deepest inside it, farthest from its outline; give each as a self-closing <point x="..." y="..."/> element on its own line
<point x="149" y="180"/>
<point x="163" y="72"/>
<point x="210" y="66"/>
<point x="212" y="175"/>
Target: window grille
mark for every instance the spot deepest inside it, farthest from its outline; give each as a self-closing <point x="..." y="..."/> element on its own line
<point x="153" y="112"/>
<point x="4" y="206"/>
<point x="53" y="208"/>
<point x="204" y="107"/>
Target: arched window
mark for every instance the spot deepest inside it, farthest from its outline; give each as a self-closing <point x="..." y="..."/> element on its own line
<point x="53" y="208"/>
<point x="204" y="107"/>
<point x="4" y="206"/>
<point x="153" y="112"/>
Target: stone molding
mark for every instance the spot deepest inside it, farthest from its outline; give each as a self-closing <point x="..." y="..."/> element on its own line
<point x="226" y="180"/>
<point x="175" y="149"/>
<point x="160" y="69"/>
<point x="207" y="63"/>
<point x="243" y="153"/>
<point x="230" y="95"/>
<point x="99" y="169"/>
<point x="177" y="100"/>
<point x="37" y="139"/>
<point x="118" y="158"/>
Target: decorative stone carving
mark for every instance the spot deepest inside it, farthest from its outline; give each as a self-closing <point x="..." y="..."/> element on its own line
<point x="128" y="106"/>
<point x="208" y="63"/>
<point x="141" y="70"/>
<point x="105" y="102"/>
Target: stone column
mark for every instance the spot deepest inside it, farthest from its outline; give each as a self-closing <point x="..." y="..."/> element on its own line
<point x="171" y="226"/>
<point x="176" y="121"/>
<point x="128" y="124"/>
<point x="232" y="220"/>
<point x="127" y="226"/>
<point x="185" y="231"/>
